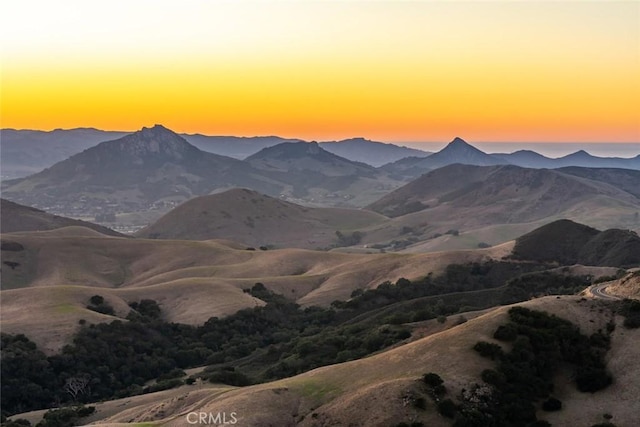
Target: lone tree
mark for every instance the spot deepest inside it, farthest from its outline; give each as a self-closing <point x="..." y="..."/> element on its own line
<point x="76" y="386"/>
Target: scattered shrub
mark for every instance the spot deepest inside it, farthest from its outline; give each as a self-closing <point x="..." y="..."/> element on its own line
<point x="96" y="300"/>
<point x="420" y="403"/>
<point x="432" y="379"/>
<point x="99" y="305"/>
<point x="447" y="408"/>
<point x="490" y="350"/>
<point x="552" y="404"/>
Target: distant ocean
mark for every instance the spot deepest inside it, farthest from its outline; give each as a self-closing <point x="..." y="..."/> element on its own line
<point x="548" y="149"/>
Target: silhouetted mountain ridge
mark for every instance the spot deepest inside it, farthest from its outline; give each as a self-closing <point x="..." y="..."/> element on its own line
<point x="134" y="172"/>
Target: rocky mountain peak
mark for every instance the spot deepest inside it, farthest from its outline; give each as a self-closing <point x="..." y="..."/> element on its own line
<point x="157" y="140"/>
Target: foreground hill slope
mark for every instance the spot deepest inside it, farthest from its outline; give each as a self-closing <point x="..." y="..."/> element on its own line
<point x="627" y="286"/>
<point x="15" y="218"/>
<point x="377" y="390"/>
<point x="54" y="273"/>
<point x="255" y="219"/>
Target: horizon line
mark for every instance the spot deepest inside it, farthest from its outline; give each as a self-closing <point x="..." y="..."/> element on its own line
<point x="386" y="141"/>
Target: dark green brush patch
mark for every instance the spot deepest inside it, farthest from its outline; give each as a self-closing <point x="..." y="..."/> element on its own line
<point x="565" y="242"/>
<point x="630" y="309"/>
<point x="8" y="245"/>
<point x="277" y="340"/>
<point x="540" y="345"/>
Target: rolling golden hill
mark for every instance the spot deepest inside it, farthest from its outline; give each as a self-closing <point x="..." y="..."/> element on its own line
<point x="48" y="277"/>
<point x="255" y="219"/>
<point x="377" y="390"/>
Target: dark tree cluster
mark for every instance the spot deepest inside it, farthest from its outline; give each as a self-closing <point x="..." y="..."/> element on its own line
<point x="540" y="344"/>
<point x="273" y="341"/>
<point x="630" y="309"/>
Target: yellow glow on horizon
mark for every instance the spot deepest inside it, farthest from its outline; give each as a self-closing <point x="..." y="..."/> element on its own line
<point x="504" y="71"/>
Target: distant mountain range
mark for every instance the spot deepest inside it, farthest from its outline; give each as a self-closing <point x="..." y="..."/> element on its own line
<point x="154" y="168"/>
<point x="459" y="151"/>
<point x="25" y="152"/>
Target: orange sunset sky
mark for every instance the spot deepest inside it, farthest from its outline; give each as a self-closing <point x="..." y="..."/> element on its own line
<point x="386" y="70"/>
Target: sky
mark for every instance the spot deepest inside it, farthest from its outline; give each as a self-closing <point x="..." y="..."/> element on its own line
<point x="401" y="71"/>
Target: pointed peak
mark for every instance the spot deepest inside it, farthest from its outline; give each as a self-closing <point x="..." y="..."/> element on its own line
<point x="457" y="141"/>
<point x="579" y="153"/>
<point x="459" y="145"/>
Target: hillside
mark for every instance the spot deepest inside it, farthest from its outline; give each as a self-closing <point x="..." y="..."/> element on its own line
<point x="567" y="242"/>
<point x="146" y="169"/>
<point x="16" y="218"/>
<point x="470" y="196"/>
<point x="379" y="390"/>
<point x="624" y="179"/>
<point x="307" y="156"/>
<point x="257" y="220"/>
<point x="320" y="178"/>
<point x="627" y="286"/>
<point x="463" y="206"/>
<point x="53" y="273"/>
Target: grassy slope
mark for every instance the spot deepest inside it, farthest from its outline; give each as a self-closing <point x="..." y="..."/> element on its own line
<point x="370" y="391"/>
<point x="46" y="295"/>
<point x="255" y="219"/>
<point x="626" y="287"/>
<point x="16" y="218"/>
<point x="492" y="204"/>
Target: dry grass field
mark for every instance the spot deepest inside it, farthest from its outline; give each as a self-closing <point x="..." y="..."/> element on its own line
<point x="46" y="292"/>
<point x="373" y="391"/>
